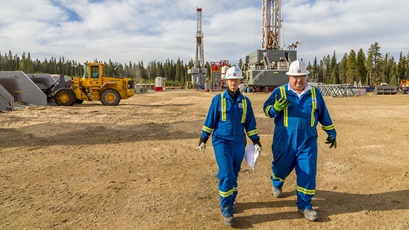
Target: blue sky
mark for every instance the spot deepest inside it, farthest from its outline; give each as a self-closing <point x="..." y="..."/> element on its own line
<point x="148" y="30"/>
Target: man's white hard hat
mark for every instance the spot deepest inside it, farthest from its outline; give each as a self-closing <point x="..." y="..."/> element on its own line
<point x="298" y="68"/>
<point x="233" y="73"/>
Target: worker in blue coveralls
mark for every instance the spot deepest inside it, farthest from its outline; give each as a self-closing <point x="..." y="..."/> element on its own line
<point x="297" y="107"/>
<point x="230" y="118"/>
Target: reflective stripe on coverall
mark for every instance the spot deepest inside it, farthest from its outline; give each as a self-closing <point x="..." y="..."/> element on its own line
<point x="295" y="139"/>
<point x="228" y="122"/>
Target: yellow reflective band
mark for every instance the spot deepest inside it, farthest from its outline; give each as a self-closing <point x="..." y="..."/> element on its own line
<point x="314" y="106"/>
<point x="283" y="94"/>
<point x="223" y="106"/>
<point x="244" y="105"/>
<point x="228" y="193"/>
<point x="252" y="132"/>
<point x="277" y="178"/>
<point x="328" y="127"/>
<point x="267" y="110"/>
<point x="207" y="129"/>
<point x="305" y="191"/>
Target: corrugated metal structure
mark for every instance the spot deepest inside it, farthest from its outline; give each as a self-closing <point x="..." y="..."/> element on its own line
<point x="22" y="88"/>
<point x="6" y="100"/>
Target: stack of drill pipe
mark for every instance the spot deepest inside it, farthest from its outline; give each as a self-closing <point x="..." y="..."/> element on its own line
<point x="385" y="90"/>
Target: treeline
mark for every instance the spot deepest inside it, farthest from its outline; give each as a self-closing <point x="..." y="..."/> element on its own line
<point x="175" y="71"/>
<point x="371" y="69"/>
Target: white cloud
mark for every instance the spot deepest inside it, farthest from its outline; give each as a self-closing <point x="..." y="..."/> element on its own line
<point x="328" y="26"/>
<point x="148" y="30"/>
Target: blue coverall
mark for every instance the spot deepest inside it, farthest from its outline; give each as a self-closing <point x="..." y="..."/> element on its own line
<point x="295" y="139"/>
<point x="228" y="120"/>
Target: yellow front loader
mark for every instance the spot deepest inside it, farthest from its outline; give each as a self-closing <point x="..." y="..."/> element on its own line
<point x="91" y="87"/>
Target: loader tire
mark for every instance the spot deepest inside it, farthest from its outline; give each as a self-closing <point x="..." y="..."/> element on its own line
<point x="64" y="97"/>
<point x="110" y="97"/>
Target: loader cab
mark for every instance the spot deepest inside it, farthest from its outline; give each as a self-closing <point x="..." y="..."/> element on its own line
<point x="92" y="74"/>
<point x="94" y="71"/>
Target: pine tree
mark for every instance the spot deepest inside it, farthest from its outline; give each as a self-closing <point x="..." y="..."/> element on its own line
<point x="314" y="70"/>
<point x="343" y="69"/>
<point x="394" y="75"/>
<point x="375" y="63"/>
<point x="351" y="68"/>
<point x="360" y="67"/>
<point x="334" y="79"/>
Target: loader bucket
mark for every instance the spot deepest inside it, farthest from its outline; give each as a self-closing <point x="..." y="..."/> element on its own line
<point x="43" y="81"/>
<point x="385" y="90"/>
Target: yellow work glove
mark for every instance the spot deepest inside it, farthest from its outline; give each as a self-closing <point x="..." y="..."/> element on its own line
<point x="281" y="104"/>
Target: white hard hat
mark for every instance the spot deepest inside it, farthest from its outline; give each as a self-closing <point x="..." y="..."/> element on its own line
<point x="233" y="73"/>
<point x="297" y="68"/>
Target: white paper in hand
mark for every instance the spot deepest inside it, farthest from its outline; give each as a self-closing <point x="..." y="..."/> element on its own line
<point x="250" y="155"/>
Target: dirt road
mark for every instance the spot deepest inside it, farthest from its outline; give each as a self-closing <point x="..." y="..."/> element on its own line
<point x="137" y="166"/>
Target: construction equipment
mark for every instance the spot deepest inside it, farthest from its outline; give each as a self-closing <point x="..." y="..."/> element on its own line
<point x="404" y="83"/>
<point x="91" y="87"/>
<point x="218" y="74"/>
<point x="404" y="86"/>
<point x="266" y="67"/>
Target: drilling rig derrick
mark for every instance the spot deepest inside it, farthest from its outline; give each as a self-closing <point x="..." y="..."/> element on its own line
<point x="199" y="71"/>
<point x="266" y="67"/>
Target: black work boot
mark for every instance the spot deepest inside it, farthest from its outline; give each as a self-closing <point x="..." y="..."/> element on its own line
<point x="309" y="214"/>
<point x="229" y="221"/>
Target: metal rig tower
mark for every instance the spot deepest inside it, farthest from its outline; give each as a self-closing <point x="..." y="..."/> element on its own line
<point x="199" y="72"/>
<point x="199" y="58"/>
<point x="267" y="67"/>
<point x="271" y="24"/>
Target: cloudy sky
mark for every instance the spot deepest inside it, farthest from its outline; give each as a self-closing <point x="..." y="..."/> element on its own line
<point x="148" y="30"/>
